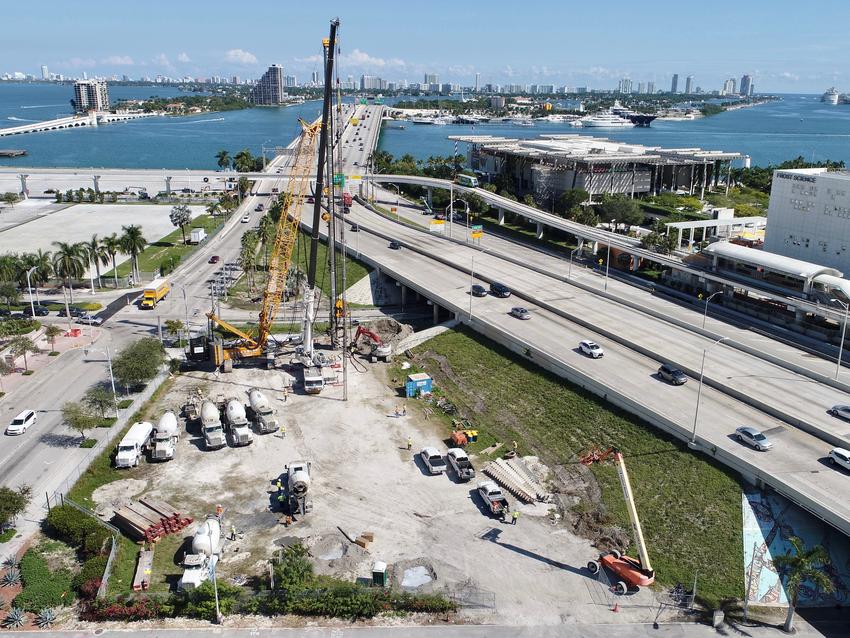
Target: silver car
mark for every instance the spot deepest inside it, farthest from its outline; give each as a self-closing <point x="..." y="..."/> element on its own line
<point x="753" y="438"/>
<point x="520" y="313"/>
<point x="840" y="411"/>
<point x="591" y="349"/>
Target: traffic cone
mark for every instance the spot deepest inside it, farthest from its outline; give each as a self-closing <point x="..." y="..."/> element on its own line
<point x="616" y="607"/>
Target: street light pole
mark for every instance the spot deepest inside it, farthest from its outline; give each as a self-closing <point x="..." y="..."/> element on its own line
<point x="692" y="443"/>
<point x="709" y="298"/>
<point x="397" y="198"/>
<point x="471" y="283"/>
<point x="846" y="307"/>
<point x="608" y="258"/>
<point x="29" y="287"/>
<point x="108" y="354"/>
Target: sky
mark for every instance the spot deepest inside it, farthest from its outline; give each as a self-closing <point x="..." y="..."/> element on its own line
<point x="788" y="47"/>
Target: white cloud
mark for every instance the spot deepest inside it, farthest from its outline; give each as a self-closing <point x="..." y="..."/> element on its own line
<point x="162" y="60"/>
<point x="183" y="57"/>
<point x="118" y="60"/>
<point x="787" y="75"/>
<point x="509" y="71"/>
<point x="80" y="62"/>
<point x="240" y="56"/>
<point x="358" y="59"/>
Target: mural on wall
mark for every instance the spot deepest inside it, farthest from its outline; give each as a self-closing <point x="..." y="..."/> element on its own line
<point x="769" y="520"/>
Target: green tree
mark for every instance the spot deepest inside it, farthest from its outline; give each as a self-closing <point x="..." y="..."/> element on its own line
<point x="244" y="185"/>
<point x="799" y="566"/>
<point x="174" y="327"/>
<point x="79" y="418"/>
<point x="138" y="363"/>
<point x="96" y="255"/>
<point x="11" y="198"/>
<point x="586" y="215"/>
<point x="12" y="503"/>
<point x="223" y="159"/>
<point x="243" y="161"/>
<point x="51" y="332"/>
<point x="181" y="217"/>
<point x="69" y="263"/>
<point x="569" y="199"/>
<point x="9" y="292"/>
<point x="622" y="209"/>
<point x="99" y="398"/>
<point x="112" y="246"/>
<point x="41" y="261"/>
<point x="22" y="345"/>
<point x="528" y="200"/>
<point x="213" y="209"/>
<point x="132" y="243"/>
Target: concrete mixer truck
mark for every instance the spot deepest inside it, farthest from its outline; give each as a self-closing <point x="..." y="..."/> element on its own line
<point x="165" y="437"/>
<point x="298" y="486"/>
<point x="211" y="426"/>
<point x="206" y="546"/>
<point x="237" y="423"/>
<point x="261" y="412"/>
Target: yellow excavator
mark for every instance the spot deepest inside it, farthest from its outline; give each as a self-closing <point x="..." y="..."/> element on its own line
<point x="286" y="235"/>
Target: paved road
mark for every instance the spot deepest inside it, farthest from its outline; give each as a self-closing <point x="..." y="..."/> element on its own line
<point x="798" y="458"/>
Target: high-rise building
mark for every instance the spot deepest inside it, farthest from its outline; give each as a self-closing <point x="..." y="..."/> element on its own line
<point x="268" y="91"/>
<point x="625" y="86"/>
<point x="91" y="95"/>
<point x="372" y="83"/>
<point x="314" y="78"/>
<point x="650" y="88"/>
<point x="235" y="80"/>
<point x="290" y="81"/>
<point x="729" y="87"/>
<point x="477" y="80"/>
<point x="689" y="85"/>
<point x="674" y="85"/>
<point x="45" y="75"/>
<point x="432" y="78"/>
<point x="746" y="85"/>
<point x="641" y="87"/>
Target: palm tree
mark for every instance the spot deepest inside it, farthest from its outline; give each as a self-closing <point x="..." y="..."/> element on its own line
<point x="40" y="260"/>
<point x="266" y="233"/>
<point x="112" y="246"/>
<point x="10" y="267"/>
<point x="21" y="345"/>
<point x="96" y="254"/>
<point x="213" y="209"/>
<point x="223" y="158"/>
<point x="801" y="566"/>
<point x="132" y="243"/>
<point x="69" y="262"/>
<point x="243" y="161"/>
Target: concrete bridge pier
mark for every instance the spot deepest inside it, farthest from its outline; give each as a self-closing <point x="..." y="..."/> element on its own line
<point x="501" y="217"/>
<point x="594" y="247"/>
<point x="539" y="230"/>
<point x="428" y="197"/>
<point x="24" y="190"/>
<point x="168" y="186"/>
<point x="96" y="180"/>
<point x="403" y="290"/>
<point x="635" y="261"/>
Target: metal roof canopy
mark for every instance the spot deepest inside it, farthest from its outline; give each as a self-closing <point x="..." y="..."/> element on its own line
<point x="709" y="223"/>
<point x="771" y="261"/>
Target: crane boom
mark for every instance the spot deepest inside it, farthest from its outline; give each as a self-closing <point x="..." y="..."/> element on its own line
<point x="285" y="237"/>
<point x="633" y="515"/>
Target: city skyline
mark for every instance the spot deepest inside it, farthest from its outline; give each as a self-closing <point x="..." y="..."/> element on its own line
<point x="396" y="44"/>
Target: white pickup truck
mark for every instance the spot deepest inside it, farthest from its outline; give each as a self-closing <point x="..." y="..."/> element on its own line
<point x="493" y="498"/>
<point x="460" y="463"/>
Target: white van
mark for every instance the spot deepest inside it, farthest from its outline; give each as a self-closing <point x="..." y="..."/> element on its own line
<point x="21" y="423"/>
<point x="133" y="445"/>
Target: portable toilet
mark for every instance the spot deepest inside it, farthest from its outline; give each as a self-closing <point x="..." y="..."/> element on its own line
<point x="417" y="384"/>
<point x="379" y="574"/>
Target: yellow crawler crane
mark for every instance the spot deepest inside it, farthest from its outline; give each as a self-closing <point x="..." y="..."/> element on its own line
<point x="286" y="235"/>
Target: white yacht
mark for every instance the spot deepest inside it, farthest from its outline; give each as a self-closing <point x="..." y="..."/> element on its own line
<point x="603" y="119"/>
<point x="830" y="97"/>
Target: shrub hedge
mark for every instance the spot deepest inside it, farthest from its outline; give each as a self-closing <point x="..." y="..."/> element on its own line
<point x="78" y="529"/>
<point x="42" y="588"/>
<point x="13" y="327"/>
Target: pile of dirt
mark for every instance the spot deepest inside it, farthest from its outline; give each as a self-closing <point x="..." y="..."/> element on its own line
<point x="389" y="330"/>
<point x="116" y="495"/>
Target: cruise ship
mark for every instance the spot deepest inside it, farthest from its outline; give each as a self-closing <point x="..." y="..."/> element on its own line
<point x="830" y="97"/>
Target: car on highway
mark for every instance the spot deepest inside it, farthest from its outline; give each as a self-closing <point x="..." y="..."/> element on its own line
<point x="355" y="228"/>
<point x="21" y="423"/>
<point x="671" y="374"/>
<point x="591" y="349"/>
<point x="500" y="290"/>
<point x="840" y="411"/>
<point x="840" y="456"/>
<point x="520" y="313"/>
<point x="246" y="219"/>
<point x="259" y="208"/>
<point x="89" y="320"/>
<point x="394" y="245"/>
<point x="753" y="438"/>
<point x="311" y="200"/>
<point x="477" y="290"/>
<point x="214" y="259"/>
<point x="40" y="311"/>
<point x="74" y="311"/>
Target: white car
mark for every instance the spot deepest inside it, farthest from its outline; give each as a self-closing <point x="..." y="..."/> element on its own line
<point x="21" y="423"/>
<point x="840" y="411"/>
<point x="520" y="313"/>
<point x="433" y="460"/>
<point x="246" y="219"/>
<point x="591" y="349"/>
<point x="840" y="456"/>
<point x="91" y="320"/>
